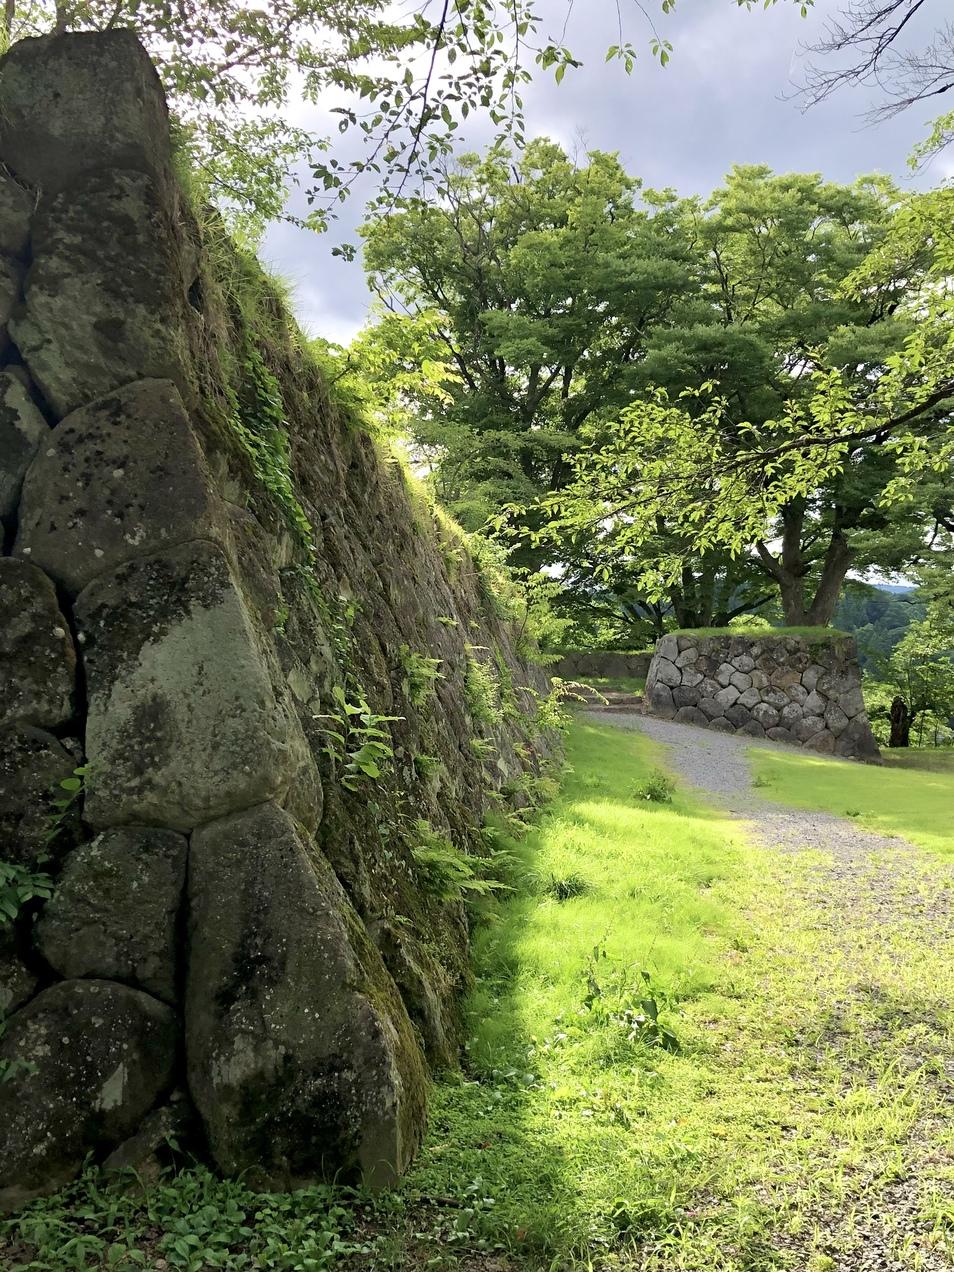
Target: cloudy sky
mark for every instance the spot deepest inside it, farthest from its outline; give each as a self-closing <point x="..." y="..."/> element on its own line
<point x="724" y="98"/>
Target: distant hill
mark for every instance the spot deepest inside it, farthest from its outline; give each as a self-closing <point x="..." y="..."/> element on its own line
<point x="877" y="615"/>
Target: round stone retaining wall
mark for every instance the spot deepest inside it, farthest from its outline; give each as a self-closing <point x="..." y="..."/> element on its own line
<point x="806" y="692"/>
<point x="600" y="663"/>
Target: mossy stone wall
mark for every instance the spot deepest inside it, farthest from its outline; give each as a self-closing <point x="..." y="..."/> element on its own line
<point x="261" y="681"/>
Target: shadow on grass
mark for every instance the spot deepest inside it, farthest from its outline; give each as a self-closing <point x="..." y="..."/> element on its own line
<point x="560" y="1125"/>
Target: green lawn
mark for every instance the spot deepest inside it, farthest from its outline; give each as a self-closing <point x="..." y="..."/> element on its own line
<point x="912" y="795"/>
<point x="666" y="1069"/>
<point x="924" y="759"/>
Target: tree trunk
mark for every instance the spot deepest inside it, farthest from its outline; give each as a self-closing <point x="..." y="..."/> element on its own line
<point x="789" y="570"/>
<point x="900" y="718"/>
<point x="837" y="561"/>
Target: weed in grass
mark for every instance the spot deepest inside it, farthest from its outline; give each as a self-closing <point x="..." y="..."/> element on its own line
<point x="566" y="887"/>
<point x="658" y="788"/>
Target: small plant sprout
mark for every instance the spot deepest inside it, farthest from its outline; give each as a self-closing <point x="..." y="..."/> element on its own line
<point x="658" y="788"/>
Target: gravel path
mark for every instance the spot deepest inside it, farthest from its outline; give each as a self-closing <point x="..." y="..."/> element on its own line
<point x="881" y="911"/>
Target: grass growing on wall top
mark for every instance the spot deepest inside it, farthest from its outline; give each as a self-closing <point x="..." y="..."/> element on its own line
<point x="892" y="800"/>
<point x="814" y="635"/>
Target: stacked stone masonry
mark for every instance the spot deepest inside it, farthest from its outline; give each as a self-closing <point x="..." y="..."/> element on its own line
<point x="600" y="663"/>
<point x="240" y="948"/>
<point x="805" y="692"/>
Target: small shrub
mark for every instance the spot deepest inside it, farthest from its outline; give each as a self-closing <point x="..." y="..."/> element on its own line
<point x="420" y="674"/>
<point x="426" y="766"/>
<point x="482" y="689"/>
<point x="445" y="871"/>
<point x="658" y="788"/>
<point x="18" y="885"/>
<point x="356" y="740"/>
<point x="636" y="1010"/>
<point x="483" y="748"/>
<point x="564" y="889"/>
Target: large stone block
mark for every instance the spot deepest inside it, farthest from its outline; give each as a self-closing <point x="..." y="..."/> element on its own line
<point x="668" y="648"/>
<point x="728" y="696"/>
<point x="32" y="765"/>
<point x="301" y="1059"/>
<point x="16" y="208"/>
<point x="790" y="716"/>
<point x="667" y="673"/>
<point x="858" y="741"/>
<point x="118" y="479"/>
<point x="806" y="728"/>
<point x="22" y="431"/>
<point x="113" y="914"/>
<point x="17" y="981"/>
<point x="753" y="729"/>
<point x="711" y="708"/>
<point x="37" y="659"/>
<point x="765" y="715"/>
<point x="11" y="283"/>
<point x="104" y="298"/>
<point x="184" y="724"/>
<point x="776" y="698"/>
<point x="685" y="696"/>
<point x="94" y="1058"/>
<point x="691" y="715"/>
<point x="852" y="702"/>
<point x="661" y="701"/>
<point x="835" y="719"/>
<point x="815" y="704"/>
<point x="81" y="101"/>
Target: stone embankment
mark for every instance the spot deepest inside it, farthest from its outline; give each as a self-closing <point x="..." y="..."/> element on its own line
<point x="805" y="691"/>
<point x="254" y="690"/>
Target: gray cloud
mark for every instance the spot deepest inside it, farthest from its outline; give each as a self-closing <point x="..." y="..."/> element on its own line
<point x="724" y="98"/>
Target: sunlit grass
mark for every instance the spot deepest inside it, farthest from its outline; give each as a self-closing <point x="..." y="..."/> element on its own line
<point x="752" y="1131"/>
<point x="915" y="803"/>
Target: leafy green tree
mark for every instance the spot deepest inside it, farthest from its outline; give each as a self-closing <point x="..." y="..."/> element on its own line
<point x="787" y="344"/>
<point x="544" y="283"/>
<point x="400" y="78"/>
<point x="546" y="277"/>
<point x="921" y="672"/>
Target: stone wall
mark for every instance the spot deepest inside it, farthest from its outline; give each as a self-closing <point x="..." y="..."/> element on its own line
<point x="806" y="692"/>
<point x="600" y="663"/>
<point x="253" y="687"/>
